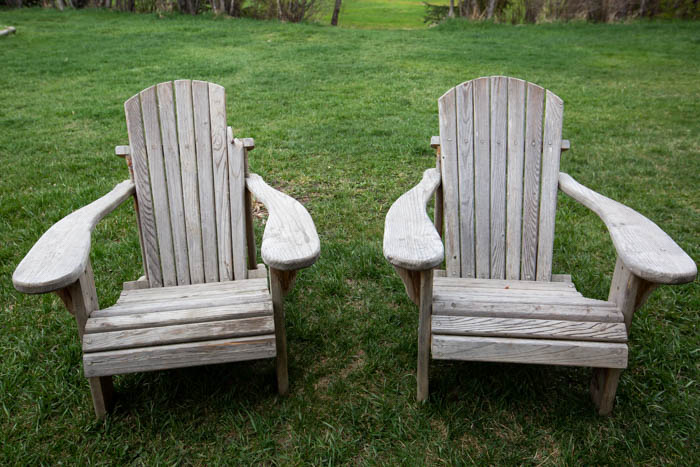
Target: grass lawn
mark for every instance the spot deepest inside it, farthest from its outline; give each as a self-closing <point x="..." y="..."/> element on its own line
<point x="342" y="120"/>
<point x="381" y="14"/>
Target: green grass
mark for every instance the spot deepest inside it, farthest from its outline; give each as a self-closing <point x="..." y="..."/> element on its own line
<point x="342" y="120"/>
<point x="381" y="14"/>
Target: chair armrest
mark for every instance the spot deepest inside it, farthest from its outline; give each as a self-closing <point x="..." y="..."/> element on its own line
<point x="62" y="253"/>
<point x="646" y="250"/>
<point x="290" y="240"/>
<point x="410" y="238"/>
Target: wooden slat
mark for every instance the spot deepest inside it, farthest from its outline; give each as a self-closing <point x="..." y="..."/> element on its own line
<point x="465" y="137"/>
<point x="159" y="189"/>
<point x="219" y="149"/>
<point x="178" y="355"/>
<point x="516" y="158"/>
<point x="506" y="285"/>
<point x="188" y="164"/>
<point x="139" y="157"/>
<point x="177" y="334"/>
<point x="236" y="179"/>
<point x="140" y="283"/>
<point x="258" y="273"/>
<point x="168" y="318"/>
<point x="168" y="305"/>
<point x="450" y="180"/>
<point x="498" y="143"/>
<point x="549" y="352"/>
<point x="551" y="152"/>
<point x="185" y="292"/>
<point x="481" y="177"/>
<point x="171" y="156"/>
<point x="205" y="177"/>
<point x="531" y="184"/>
<point x="529" y="328"/>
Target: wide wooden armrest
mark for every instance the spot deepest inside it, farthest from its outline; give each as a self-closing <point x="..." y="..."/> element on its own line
<point x="62" y="253"/>
<point x="290" y="240"/>
<point x="410" y="238"/>
<point x="646" y="250"/>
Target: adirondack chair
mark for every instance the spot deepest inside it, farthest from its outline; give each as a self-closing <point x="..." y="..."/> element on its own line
<point x="497" y="300"/>
<point x="203" y="298"/>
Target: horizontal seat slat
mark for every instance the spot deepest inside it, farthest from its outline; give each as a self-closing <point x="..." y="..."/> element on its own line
<point x="529" y="328"/>
<point x="164" y="357"/>
<point x="539" y="351"/>
<point x="168" y="318"/>
<point x="170" y="305"/>
<point x="177" y="334"/>
<point x="192" y="291"/>
<point x="529" y="310"/>
<point x="470" y="283"/>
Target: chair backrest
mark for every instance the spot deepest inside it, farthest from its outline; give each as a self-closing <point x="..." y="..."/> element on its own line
<point x="500" y="143"/>
<point x="190" y="182"/>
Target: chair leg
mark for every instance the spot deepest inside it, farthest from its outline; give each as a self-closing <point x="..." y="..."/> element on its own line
<point x="280" y="283"/>
<point x="424" y="325"/>
<point x="102" y="392"/>
<point x="603" y="388"/>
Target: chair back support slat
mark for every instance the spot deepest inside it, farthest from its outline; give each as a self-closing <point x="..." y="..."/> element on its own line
<point x="499" y="175"/>
<point x="190" y="184"/>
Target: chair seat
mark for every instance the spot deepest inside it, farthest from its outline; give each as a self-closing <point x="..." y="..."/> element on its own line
<point x="525" y="322"/>
<point x="173" y="327"/>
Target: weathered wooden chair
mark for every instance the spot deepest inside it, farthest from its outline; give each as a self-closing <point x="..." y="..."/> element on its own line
<point x="203" y="299"/>
<point x="497" y="301"/>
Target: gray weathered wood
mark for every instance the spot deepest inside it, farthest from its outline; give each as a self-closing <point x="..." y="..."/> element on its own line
<point x="171" y="157"/>
<point x="184" y="292"/>
<point x="641" y="245"/>
<point x="434" y="142"/>
<point x="450" y="180"/>
<point x="542" y="351"/>
<point x="163" y="357"/>
<point x="514" y="183"/>
<point x="551" y="151"/>
<point x="424" y="326"/>
<point x="122" y="151"/>
<point x="236" y="177"/>
<point x="219" y="150"/>
<point x="177" y="333"/>
<point x="603" y="388"/>
<point x="188" y="164"/>
<point x="139" y="158"/>
<point x="258" y="273"/>
<point x="529" y="328"/>
<point x="290" y="240"/>
<point x="7" y="31"/>
<point x="280" y="282"/>
<point x="205" y="176"/>
<point x="498" y="143"/>
<point x="482" y="149"/>
<point x="531" y="180"/>
<point x="410" y="239"/>
<point x="156" y="168"/>
<point x="248" y="143"/>
<point x="467" y="283"/>
<point x="562" y="278"/>
<point x="140" y="283"/>
<point x="61" y="255"/>
<point x="465" y="136"/>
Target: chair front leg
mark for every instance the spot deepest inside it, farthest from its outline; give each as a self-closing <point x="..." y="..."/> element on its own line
<point x="80" y="298"/>
<point x="280" y="284"/>
<point x="425" y="310"/>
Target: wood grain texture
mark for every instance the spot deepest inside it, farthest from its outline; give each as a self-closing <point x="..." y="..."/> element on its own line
<point x="514" y="182"/>
<point x="236" y="178"/>
<point x="424" y="326"/>
<point x="498" y="142"/>
<point x="188" y="164"/>
<point x="163" y="357"/>
<point x="482" y="167"/>
<point x="205" y="178"/>
<point x="290" y="240"/>
<point x="641" y="245"/>
<point x="177" y="334"/>
<point x="61" y="255"/>
<point x="171" y="157"/>
<point x="529" y="328"/>
<point x="139" y="158"/>
<point x="159" y="191"/>
<point x="182" y="292"/>
<point x="465" y="136"/>
<point x="531" y="180"/>
<point x="410" y="238"/>
<point x="219" y="150"/>
<point x="280" y="283"/>
<point x="449" y="167"/>
<point x="542" y="351"/>
<point x="551" y="152"/>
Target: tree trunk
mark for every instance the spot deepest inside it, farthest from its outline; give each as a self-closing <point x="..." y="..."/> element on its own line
<point x="451" y="13"/>
<point x="336" y="12"/>
<point x="491" y="8"/>
<point x="60" y="5"/>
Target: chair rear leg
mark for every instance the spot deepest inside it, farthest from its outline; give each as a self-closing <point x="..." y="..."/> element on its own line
<point x="102" y="391"/>
<point x="603" y="388"/>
